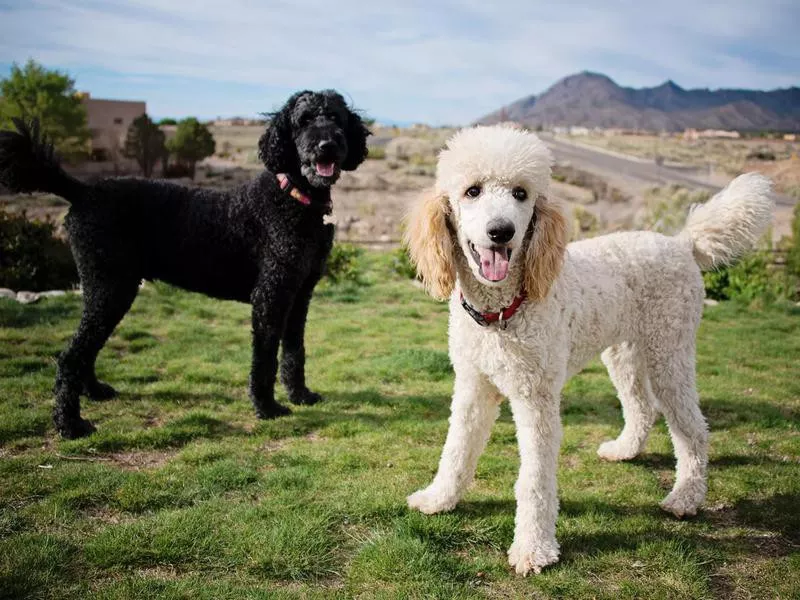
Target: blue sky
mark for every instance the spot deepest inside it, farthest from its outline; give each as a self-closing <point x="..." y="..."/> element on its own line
<point x="406" y="61"/>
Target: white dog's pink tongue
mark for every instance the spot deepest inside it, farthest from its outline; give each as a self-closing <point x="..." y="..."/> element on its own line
<point x="494" y="263"/>
<point x="325" y="169"/>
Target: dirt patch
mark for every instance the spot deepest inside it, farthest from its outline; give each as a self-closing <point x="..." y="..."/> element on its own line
<point x="137" y="461"/>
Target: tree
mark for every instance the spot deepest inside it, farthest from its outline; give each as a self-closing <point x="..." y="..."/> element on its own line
<point x="35" y="92"/>
<point x="192" y="142"/>
<point x="144" y="142"/>
<point x="168" y="121"/>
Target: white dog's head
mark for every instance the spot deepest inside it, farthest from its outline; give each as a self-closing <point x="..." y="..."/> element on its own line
<point x="490" y="201"/>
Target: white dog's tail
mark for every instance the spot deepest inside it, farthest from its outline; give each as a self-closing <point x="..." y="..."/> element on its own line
<point x="731" y="222"/>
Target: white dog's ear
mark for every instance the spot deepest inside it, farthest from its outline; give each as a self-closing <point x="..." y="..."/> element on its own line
<point x="546" y="248"/>
<point x="430" y="243"/>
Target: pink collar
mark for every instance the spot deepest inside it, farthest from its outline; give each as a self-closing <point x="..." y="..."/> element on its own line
<point x="486" y="318"/>
<point x="294" y="192"/>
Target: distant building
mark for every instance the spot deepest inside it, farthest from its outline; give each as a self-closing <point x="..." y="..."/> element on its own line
<point x="694" y="134"/>
<point x="108" y="122"/>
<point x="790" y="137"/>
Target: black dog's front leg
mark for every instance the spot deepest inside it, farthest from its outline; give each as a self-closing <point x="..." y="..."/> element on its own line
<point x="271" y="301"/>
<point x="294" y="354"/>
<point x="293" y="359"/>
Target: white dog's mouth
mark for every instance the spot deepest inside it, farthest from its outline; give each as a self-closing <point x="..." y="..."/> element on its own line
<point x="492" y="262"/>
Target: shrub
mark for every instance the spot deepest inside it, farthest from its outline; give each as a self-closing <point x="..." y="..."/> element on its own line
<point x="192" y="142"/>
<point x="376" y="152"/>
<point x="31" y="257"/>
<point x="344" y="264"/>
<point x="793" y="254"/>
<point x="755" y="276"/>
<point x="144" y="142"/>
<point x="401" y="263"/>
<point x="585" y="223"/>
<point x="668" y="207"/>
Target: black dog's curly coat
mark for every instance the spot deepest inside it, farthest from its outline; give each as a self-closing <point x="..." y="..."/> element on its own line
<point x="257" y="243"/>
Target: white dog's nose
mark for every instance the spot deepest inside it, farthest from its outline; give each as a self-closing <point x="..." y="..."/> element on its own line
<point x="500" y="230"/>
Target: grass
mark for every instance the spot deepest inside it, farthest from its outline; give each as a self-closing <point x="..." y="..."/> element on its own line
<point x="182" y="493"/>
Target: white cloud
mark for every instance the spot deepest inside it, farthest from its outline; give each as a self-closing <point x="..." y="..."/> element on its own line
<point x="437" y="62"/>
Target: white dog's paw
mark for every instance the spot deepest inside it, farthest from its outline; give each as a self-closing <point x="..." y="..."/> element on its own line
<point x="525" y="557"/>
<point x="685" y="498"/>
<point x="432" y="500"/>
<point x="616" y="450"/>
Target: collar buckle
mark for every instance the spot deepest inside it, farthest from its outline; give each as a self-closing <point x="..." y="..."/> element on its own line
<point x="501" y="317"/>
<point x="474" y="313"/>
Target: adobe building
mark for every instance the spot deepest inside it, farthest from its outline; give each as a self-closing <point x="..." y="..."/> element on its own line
<point x="108" y="122"/>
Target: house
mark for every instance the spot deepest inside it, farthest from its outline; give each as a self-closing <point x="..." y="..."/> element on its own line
<point x="108" y="122"/>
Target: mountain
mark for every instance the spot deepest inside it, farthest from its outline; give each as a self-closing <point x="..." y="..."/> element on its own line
<point x="595" y="100"/>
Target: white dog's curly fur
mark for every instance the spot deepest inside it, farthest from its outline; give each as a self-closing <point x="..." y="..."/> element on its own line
<point x="636" y="297"/>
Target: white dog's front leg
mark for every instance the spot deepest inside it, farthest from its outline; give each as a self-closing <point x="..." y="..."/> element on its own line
<point x="474" y="409"/>
<point x="539" y="437"/>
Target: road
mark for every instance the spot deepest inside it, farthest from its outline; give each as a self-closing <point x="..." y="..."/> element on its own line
<point x="640" y="171"/>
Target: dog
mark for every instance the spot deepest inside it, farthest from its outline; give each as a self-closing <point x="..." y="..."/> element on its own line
<point x="528" y="311"/>
<point x="264" y="243"/>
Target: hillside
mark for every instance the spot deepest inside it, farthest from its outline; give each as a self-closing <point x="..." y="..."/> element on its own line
<point x="595" y="100"/>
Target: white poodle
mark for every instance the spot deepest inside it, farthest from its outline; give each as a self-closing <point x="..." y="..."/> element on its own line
<point x="527" y="312"/>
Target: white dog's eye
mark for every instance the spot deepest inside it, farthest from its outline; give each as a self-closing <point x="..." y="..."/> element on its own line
<point x="519" y="193"/>
<point x="473" y="191"/>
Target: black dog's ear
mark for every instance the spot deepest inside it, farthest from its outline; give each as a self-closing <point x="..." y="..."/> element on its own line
<point x="276" y="148"/>
<point x="357" y="134"/>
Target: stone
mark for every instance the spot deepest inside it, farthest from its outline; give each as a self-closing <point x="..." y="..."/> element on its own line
<point x="27" y="297"/>
<point x="7" y="293"/>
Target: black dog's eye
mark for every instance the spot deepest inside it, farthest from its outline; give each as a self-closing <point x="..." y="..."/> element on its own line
<point x="519" y="193"/>
<point x="304" y="120"/>
<point x="473" y="191"/>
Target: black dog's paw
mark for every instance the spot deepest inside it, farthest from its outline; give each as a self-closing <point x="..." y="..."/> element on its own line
<point x="273" y="411"/>
<point x="75" y="428"/>
<point x="306" y="397"/>
<point x="99" y="391"/>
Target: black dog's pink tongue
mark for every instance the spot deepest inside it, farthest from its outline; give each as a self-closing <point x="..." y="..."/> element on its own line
<point x="325" y="169"/>
<point x="494" y="263"/>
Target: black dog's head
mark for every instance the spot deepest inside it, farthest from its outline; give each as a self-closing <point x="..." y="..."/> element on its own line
<point x="316" y="136"/>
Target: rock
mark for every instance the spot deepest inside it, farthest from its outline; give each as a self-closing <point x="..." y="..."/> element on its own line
<point x="710" y="302"/>
<point x="27" y="297"/>
<point x="7" y="293"/>
<point x="52" y="293"/>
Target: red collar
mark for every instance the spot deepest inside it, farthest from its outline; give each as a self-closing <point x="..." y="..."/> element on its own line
<point x="294" y="192"/>
<point x="486" y="318"/>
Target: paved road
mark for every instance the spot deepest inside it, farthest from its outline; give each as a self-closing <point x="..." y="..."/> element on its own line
<point x="639" y="170"/>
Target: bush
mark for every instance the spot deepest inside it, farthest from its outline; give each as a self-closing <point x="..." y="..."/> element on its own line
<point x="177" y="171"/>
<point x="668" y="207"/>
<point x="401" y="263"/>
<point x="32" y="258"/>
<point x="344" y="264"/>
<point x="755" y="276"/>
<point x="376" y="152"/>
<point x="192" y="142"/>
<point x="793" y="254"/>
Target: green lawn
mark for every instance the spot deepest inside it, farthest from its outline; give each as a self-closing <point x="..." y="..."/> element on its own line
<point x="183" y="494"/>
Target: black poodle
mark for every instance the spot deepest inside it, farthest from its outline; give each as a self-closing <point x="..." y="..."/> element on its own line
<point x="263" y="242"/>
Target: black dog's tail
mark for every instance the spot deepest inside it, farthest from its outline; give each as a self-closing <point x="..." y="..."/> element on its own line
<point x="28" y="164"/>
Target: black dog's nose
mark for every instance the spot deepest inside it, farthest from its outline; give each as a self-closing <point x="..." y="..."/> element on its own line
<point x="327" y="146"/>
<point x="500" y="231"/>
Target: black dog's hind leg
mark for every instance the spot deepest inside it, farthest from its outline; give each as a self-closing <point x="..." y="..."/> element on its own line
<point x="104" y="306"/>
<point x="294" y="354"/>
<point x="271" y="300"/>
